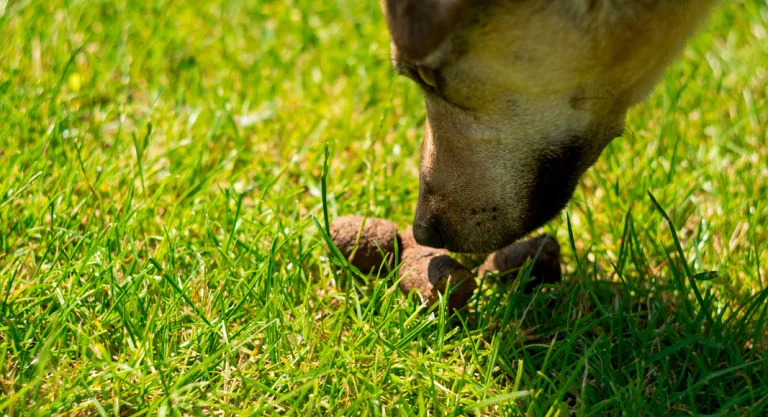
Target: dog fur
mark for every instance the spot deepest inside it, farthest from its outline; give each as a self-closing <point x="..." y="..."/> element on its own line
<point x="522" y="96"/>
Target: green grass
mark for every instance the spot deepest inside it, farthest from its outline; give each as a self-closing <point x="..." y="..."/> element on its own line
<point x="161" y="208"/>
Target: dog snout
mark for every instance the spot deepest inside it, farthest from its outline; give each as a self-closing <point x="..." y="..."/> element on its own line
<point x="426" y="230"/>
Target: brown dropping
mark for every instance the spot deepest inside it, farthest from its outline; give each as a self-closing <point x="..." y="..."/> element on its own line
<point x="366" y="248"/>
<point x="428" y="272"/>
<point x="546" y="270"/>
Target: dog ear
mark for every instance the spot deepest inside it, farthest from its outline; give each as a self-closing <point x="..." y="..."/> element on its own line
<point x="419" y="26"/>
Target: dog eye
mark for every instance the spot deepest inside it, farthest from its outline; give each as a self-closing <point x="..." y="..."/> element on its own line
<point x="427" y="75"/>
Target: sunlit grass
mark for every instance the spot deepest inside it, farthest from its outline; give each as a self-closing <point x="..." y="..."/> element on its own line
<point x="161" y="173"/>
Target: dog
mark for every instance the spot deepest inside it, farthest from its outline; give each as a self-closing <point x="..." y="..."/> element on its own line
<point x="522" y="96"/>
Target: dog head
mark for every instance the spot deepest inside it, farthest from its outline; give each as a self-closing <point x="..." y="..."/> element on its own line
<point x="521" y="98"/>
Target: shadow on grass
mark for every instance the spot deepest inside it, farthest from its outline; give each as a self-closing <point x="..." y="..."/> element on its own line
<point x="605" y="348"/>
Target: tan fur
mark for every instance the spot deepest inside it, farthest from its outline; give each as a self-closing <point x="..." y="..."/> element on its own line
<point x="519" y="82"/>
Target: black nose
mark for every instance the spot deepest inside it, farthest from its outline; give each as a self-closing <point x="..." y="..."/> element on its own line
<point x="427" y="232"/>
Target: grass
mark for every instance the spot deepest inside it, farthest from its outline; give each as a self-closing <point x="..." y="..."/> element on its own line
<point x="161" y="209"/>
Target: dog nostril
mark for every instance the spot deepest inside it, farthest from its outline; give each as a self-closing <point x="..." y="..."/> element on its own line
<point x="428" y="233"/>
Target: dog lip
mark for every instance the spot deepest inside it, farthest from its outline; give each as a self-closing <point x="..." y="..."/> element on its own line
<point x="485" y="245"/>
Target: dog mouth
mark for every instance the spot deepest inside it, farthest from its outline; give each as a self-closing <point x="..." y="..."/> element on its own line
<point x="476" y="234"/>
<point x="486" y="246"/>
<point x="482" y="244"/>
<point x="487" y="230"/>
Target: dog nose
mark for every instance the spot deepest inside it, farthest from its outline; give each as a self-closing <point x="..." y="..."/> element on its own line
<point x="427" y="232"/>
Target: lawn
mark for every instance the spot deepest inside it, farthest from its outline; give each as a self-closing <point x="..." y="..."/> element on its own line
<point x="162" y="208"/>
